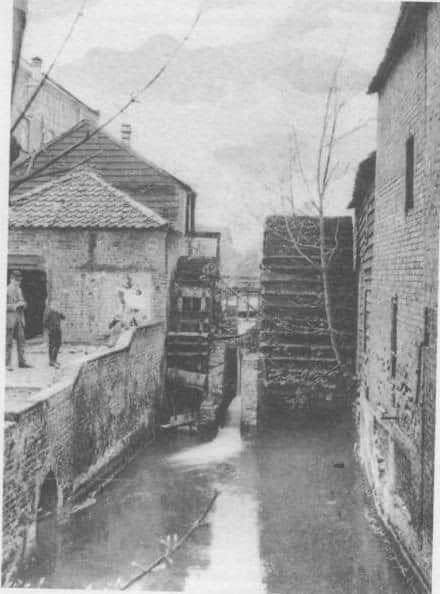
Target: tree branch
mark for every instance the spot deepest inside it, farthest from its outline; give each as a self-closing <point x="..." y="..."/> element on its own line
<point x="174" y="548"/>
<point x="46" y="76"/>
<point x="133" y="99"/>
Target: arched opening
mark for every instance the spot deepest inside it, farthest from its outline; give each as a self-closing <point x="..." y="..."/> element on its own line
<point x="48" y="496"/>
<point x="46" y="529"/>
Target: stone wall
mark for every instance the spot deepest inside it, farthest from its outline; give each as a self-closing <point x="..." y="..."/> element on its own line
<point x="397" y="398"/>
<point x="77" y="430"/>
<point x="85" y="268"/>
<point x="249" y="390"/>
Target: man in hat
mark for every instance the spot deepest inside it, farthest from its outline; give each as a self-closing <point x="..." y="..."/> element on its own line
<point x="15" y="322"/>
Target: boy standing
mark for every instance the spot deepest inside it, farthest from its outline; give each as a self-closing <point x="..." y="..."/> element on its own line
<point x="52" y="323"/>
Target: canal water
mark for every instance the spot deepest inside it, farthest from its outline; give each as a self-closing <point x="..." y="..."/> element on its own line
<point x="291" y="517"/>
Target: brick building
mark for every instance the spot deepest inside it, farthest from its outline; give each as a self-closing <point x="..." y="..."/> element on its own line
<point x="54" y="110"/>
<point x="119" y="165"/>
<point x="364" y="205"/>
<point x="77" y="239"/>
<point x="398" y="326"/>
<point x="125" y="171"/>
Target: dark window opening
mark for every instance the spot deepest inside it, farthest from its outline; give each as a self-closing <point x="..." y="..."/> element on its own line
<point x="393" y="336"/>
<point x="45" y="555"/>
<point x="193" y="213"/>
<point x="192" y="304"/>
<point x="190" y="213"/>
<point x="33" y="286"/>
<point x="409" y="187"/>
<point x="428" y="320"/>
<point x="48" y="495"/>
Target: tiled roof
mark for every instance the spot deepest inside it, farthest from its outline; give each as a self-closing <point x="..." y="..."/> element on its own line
<point x="118" y="164"/>
<point x="81" y="199"/>
<point x="411" y="13"/>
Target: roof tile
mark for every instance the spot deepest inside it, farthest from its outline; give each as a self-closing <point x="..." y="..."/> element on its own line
<point x="81" y="199"/>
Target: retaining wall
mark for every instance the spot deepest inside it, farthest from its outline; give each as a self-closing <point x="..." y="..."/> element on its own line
<point x="77" y="429"/>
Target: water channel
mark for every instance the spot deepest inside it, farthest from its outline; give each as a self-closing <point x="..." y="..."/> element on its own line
<point x="287" y="519"/>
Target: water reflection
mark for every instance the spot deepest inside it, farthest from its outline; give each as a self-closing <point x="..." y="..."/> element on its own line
<point x="234" y="556"/>
<point x="287" y="520"/>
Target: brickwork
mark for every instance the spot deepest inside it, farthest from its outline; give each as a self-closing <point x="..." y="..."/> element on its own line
<point x="85" y="268"/>
<point x="397" y="397"/>
<point x="77" y="430"/>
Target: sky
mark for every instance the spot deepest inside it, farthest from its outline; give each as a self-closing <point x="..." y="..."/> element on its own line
<point x="221" y="116"/>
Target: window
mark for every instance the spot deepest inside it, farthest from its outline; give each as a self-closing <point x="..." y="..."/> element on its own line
<point x="428" y="325"/>
<point x="366" y="313"/>
<point x="393" y="336"/>
<point x="409" y="186"/>
<point x="192" y="304"/>
<point x="190" y="213"/>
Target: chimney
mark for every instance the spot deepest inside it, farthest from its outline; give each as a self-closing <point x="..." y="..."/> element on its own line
<point x="126" y="133"/>
<point x="36" y="64"/>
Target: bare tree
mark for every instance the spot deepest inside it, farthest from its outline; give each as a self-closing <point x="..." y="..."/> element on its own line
<point x="326" y="169"/>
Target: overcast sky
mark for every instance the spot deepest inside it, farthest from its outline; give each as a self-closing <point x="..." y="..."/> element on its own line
<point x="220" y="116"/>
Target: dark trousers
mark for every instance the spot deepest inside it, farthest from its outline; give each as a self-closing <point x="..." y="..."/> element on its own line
<point x="54" y="346"/>
<point x="16" y="332"/>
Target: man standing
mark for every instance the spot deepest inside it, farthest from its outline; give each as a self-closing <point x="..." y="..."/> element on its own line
<point x="15" y="322"/>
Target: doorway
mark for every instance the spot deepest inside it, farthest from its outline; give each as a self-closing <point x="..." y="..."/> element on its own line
<point x="34" y="288"/>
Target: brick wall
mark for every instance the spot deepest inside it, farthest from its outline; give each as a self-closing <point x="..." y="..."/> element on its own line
<point x="405" y="269"/>
<point x="84" y="269"/>
<point x="77" y="430"/>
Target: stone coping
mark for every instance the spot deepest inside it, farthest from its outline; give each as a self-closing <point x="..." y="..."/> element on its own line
<point x="17" y="405"/>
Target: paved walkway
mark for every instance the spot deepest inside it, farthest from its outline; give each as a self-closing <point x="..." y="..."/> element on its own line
<point x="22" y="385"/>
